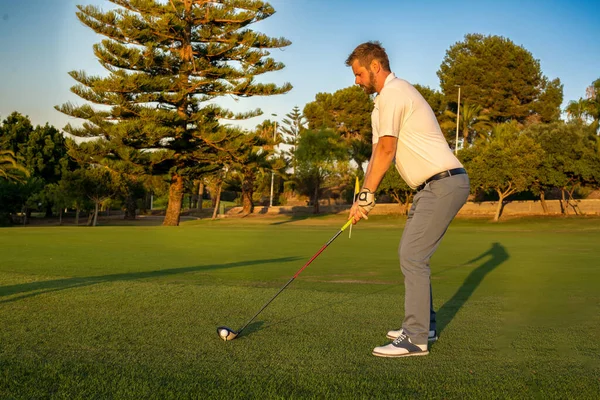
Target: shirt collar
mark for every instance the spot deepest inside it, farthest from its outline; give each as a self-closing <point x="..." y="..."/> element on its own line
<point x="389" y="78"/>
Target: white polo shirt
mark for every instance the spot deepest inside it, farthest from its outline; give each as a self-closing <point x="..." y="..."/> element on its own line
<point x="422" y="150"/>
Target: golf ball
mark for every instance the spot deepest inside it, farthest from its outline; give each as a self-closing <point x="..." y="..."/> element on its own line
<point x="226" y="334"/>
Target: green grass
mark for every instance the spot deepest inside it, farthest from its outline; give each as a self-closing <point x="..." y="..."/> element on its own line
<point x="130" y="312"/>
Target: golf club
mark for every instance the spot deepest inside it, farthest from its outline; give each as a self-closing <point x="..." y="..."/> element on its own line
<point x="227" y="334"/>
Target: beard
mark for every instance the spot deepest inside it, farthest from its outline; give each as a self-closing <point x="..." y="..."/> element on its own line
<point x="370" y="87"/>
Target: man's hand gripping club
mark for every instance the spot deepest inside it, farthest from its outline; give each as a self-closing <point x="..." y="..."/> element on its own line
<point x="363" y="204"/>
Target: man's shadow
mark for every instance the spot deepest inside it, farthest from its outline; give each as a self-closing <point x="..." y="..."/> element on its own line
<point x="495" y="256"/>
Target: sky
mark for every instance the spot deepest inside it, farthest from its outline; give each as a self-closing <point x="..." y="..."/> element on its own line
<point x="42" y="40"/>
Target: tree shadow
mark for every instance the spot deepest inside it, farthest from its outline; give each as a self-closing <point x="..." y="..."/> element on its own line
<point x="496" y="255"/>
<point x="31" y="289"/>
<point x="294" y="218"/>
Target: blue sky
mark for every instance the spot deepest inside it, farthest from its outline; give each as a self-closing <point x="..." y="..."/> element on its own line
<point x="42" y="40"/>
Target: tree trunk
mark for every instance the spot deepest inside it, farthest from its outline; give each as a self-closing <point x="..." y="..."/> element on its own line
<point x="200" y="194"/>
<point x="407" y="204"/>
<point x="217" y="200"/>
<point x="247" y="193"/>
<point x="501" y="198"/>
<point x="316" y="200"/>
<point x="130" y="207"/>
<point x="90" y="219"/>
<point x="571" y="201"/>
<point x="48" y="210"/>
<point x="175" y="198"/>
<point x="77" y="216"/>
<point x="96" y="207"/>
<point x="563" y="208"/>
<point x="60" y="214"/>
<point x="543" y="202"/>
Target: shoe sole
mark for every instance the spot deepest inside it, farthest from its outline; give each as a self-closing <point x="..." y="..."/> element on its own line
<point x="433" y="339"/>
<point x="414" y="353"/>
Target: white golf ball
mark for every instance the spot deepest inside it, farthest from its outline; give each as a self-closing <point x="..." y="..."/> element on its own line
<point x="226" y="334"/>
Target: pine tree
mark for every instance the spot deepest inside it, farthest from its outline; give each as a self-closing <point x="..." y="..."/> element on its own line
<point x="167" y="63"/>
<point x="291" y="127"/>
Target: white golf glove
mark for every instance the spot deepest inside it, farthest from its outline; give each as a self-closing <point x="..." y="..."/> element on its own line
<point x="366" y="200"/>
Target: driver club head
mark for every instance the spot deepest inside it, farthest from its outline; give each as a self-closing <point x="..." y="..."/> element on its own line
<point x="226" y="333"/>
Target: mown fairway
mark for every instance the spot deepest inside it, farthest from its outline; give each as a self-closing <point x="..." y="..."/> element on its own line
<point x="131" y="312"/>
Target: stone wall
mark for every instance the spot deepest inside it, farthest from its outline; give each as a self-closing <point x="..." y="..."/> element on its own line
<point x="486" y="208"/>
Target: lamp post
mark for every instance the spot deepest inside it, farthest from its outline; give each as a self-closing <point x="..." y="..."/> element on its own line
<point x="457" y="122"/>
<point x="273" y="173"/>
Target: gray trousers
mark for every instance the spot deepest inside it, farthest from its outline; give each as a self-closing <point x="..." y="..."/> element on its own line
<point x="432" y="210"/>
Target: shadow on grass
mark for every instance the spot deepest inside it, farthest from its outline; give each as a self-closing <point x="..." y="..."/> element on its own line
<point x="325" y="306"/>
<point x="31" y="289"/>
<point x="292" y="219"/>
<point x="250" y="329"/>
<point x="495" y="256"/>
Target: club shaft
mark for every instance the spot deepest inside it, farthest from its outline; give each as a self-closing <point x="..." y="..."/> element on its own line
<point x="296" y="275"/>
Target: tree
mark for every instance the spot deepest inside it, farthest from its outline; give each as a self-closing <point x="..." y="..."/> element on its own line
<point x="588" y="109"/>
<point x="320" y="155"/>
<point x="72" y="184"/>
<point x="569" y="161"/>
<point x="10" y="168"/>
<point x="98" y="185"/>
<point x="14" y="131"/>
<point x="42" y="150"/>
<point x="547" y="109"/>
<point x="13" y="177"/>
<point x="501" y="77"/>
<point x="254" y="158"/>
<point x="473" y="123"/>
<point x="348" y="113"/>
<point x="167" y="62"/>
<point x="46" y="155"/>
<point x="393" y="185"/>
<point x="576" y="110"/>
<point x="506" y="165"/>
<point x="291" y="127"/>
<point x="58" y="197"/>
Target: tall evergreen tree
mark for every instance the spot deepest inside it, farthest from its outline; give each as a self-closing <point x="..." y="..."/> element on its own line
<point x="291" y="127"/>
<point x="167" y="63"/>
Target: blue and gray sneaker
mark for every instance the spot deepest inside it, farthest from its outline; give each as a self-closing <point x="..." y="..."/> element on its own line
<point x="401" y="347"/>
<point x="392" y="335"/>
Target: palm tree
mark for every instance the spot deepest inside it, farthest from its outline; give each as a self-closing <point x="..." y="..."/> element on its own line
<point x="473" y="122"/>
<point x="587" y="110"/>
<point x="10" y="169"/>
<point x="576" y="110"/>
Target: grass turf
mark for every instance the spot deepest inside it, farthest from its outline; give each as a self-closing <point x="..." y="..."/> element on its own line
<point x="131" y="312"/>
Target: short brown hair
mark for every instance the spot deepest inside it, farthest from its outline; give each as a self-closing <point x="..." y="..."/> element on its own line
<point x="367" y="52"/>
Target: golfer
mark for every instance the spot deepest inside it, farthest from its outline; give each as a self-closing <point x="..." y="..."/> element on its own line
<point x="405" y="131"/>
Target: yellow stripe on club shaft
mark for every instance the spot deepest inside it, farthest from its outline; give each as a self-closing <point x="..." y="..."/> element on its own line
<point x="356" y="190"/>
